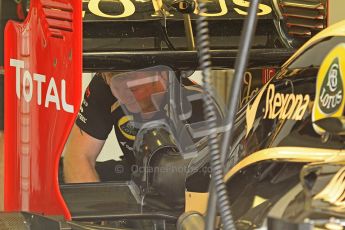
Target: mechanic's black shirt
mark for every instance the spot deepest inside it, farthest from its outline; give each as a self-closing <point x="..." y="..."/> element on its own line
<point x="100" y="111"/>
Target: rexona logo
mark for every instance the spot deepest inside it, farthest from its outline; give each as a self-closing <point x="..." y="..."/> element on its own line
<point x="285" y="106"/>
<point x="329" y="97"/>
<point x="278" y="106"/>
<point x="25" y="88"/>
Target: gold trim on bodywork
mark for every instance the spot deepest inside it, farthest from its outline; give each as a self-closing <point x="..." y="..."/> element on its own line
<point x="310" y="5"/>
<point x="289" y="154"/>
<point x="128" y="9"/>
<point x="196" y="201"/>
<point x="334" y="190"/>
<point x="258" y="200"/>
<point x="252" y="109"/>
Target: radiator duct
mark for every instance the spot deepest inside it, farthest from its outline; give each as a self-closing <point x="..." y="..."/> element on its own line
<point x="300" y="19"/>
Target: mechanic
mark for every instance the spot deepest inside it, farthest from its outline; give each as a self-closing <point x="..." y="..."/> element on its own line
<point x="102" y="109"/>
<point x="9" y="10"/>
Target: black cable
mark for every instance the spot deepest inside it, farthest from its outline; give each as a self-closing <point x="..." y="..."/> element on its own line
<point x="166" y="38"/>
<point x="211" y="117"/>
<point x="211" y="209"/>
<point x="240" y="65"/>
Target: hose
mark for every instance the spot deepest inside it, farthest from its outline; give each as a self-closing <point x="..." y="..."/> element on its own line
<point x="211" y="117"/>
<point x="240" y="65"/>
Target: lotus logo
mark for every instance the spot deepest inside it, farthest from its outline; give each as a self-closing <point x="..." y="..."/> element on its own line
<point x="332" y="78"/>
<point x="329" y="97"/>
<point x="331" y="94"/>
<point x="127" y="127"/>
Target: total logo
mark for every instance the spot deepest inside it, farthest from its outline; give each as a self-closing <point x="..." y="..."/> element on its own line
<point x="278" y="106"/>
<point x="51" y="97"/>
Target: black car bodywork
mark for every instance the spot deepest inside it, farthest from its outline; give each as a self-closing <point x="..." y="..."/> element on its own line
<point x="281" y="167"/>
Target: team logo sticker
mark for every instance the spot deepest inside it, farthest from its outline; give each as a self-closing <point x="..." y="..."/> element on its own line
<point x="329" y="100"/>
<point x="127" y="127"/>
<point x="331" y="94"/>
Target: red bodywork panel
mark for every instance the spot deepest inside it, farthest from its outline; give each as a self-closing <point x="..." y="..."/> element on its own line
<point x="43" y="67"/>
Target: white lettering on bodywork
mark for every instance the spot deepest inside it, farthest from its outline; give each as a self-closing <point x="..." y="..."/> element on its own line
<point x="26" y="83"/>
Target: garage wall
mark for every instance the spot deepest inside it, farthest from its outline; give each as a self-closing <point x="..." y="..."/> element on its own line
<point x="336" y="11"/>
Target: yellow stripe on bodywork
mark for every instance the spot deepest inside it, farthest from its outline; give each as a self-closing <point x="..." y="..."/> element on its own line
<point x="198" y="201"/>
<point x="334" y="191"/>
<point x="288" y="154"/>
<point x="258" y="200"/>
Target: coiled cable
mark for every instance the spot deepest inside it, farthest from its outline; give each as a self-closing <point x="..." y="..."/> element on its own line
<point x="211" y="117"/>
<point x="240" y="65"/>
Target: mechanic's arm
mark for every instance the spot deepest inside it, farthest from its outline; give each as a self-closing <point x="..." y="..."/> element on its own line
<point x="80" y="157"/>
